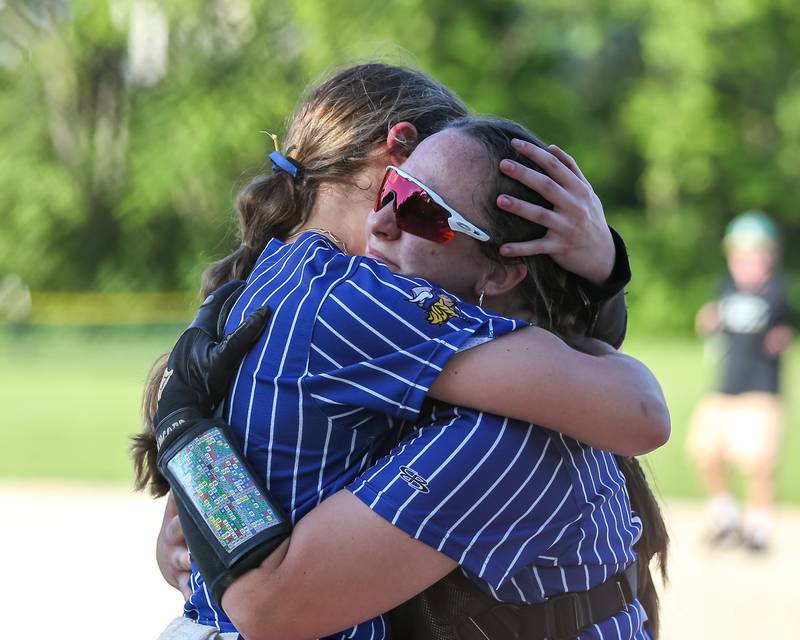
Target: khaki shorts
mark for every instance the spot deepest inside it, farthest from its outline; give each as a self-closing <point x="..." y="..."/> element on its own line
<point x="743" y="429"/>
<point x="185" y="629"/>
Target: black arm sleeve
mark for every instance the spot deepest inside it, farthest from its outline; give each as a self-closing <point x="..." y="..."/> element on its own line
<point x="607" y="300"/>
<point x="619" y="278"/>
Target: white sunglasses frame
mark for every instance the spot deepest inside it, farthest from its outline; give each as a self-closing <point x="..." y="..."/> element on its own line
<point x="456" y="221"/>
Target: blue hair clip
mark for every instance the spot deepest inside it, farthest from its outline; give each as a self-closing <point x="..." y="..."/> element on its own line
<point x="282" y="163"/>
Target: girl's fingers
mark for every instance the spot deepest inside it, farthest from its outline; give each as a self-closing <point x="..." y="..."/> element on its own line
<point x="530" y="248"/>
<point x="551" y="164"/>
<point x="568" y="160"/>
<point x="174" y="531"/>
<point x="533" y="212"/>
<point x="183" y="585"/>
<point x="545" y="186"/>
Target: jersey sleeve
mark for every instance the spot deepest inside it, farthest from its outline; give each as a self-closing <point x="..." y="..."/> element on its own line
<point x="380" y="340"/>
<point x="491" y="493"/>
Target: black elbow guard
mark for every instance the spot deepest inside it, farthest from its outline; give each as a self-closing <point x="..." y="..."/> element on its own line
<point x="231" y="523"/>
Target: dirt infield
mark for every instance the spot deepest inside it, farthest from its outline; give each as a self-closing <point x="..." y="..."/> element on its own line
<point x="78" y="563"/>
<point x="728" y="593"/>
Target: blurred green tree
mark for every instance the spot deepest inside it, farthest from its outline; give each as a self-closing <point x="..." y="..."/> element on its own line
<point x="127" y="125"/>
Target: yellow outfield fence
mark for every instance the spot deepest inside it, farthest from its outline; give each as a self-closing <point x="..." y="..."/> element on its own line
<point x="94" y="308"/>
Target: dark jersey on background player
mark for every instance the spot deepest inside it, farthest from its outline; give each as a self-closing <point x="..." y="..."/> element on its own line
<point x="746" y="320"/>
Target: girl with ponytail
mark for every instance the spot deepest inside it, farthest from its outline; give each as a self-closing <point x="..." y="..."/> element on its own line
<point x="335" y="135"/>
<point x="537" y="288"/>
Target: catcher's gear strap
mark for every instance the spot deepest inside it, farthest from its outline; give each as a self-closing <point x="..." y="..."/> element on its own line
<point x="455" y="609"/>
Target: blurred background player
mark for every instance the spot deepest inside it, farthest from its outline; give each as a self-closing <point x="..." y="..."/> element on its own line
<point x="740" y="424"/>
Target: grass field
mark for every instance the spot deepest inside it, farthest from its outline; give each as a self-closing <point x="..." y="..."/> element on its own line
<point x="70" y="400"/>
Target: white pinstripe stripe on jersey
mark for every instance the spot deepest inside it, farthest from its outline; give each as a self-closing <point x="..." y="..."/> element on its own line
<point x="380" y="396"/>
<point x="320" y="352"/>
<point x="538" y="531"/>
<point x="421" y="453"/>
<point x="464" y="481"/>
<point x="562" y="438"/>
<point x="352" y="448"/>
<point x="300" y="411"/>
<point x="381" y="465"/>
<point x="499" y="478"/>
<point x="621" y="497"/>
<point x="315" y="401"/>
<point x="380" y="305"/>
<point x="377" y="334"/>
<point x="363" y="354"/>
<point x="462" y="559"/>
<point x="514" y="505"/>
<point x="452" y="454"/>
<point x="606" y="528"/>
<point x="315" y="248"/>
<point x="512" y="525"/>
<point x="294" y="321"/>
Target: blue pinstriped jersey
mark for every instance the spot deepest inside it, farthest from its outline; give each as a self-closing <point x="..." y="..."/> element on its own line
<point x="526" y="512"/>
<point x="350" y="352"/>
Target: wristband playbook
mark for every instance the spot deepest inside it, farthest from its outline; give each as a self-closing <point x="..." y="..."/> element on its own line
<point x="231" y="523"/>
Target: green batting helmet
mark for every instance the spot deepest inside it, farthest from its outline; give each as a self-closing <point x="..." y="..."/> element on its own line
<point x="751" y="229"/>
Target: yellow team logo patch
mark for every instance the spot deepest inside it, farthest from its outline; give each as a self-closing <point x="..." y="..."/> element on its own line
<point x="439" y="308"/>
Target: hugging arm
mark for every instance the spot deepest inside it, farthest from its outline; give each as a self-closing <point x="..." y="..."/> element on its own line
<point x="375" y="565"/>
<point x="611" y="402"/>
<point x="338" y="557"/>
<point x="343" y="564"/>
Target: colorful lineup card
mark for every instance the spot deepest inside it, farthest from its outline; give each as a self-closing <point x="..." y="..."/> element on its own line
<point x="221" y="488"/>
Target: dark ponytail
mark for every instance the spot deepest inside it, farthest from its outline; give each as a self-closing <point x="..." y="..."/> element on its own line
<point x="143" y="445"/>
<point x="270" y="206"/>
<point x="654" y="542"/>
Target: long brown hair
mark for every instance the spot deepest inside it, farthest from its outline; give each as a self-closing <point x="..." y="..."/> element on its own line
<point x="332" y="136"/>
<point x="553" y="295"/>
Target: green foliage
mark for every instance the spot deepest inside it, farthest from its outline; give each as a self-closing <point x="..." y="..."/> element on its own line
<point x="676" y="263"/>
<point x="119" y="177"/>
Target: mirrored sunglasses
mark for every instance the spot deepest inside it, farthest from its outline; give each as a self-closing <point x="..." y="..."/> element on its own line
<point x="420" y="211"/>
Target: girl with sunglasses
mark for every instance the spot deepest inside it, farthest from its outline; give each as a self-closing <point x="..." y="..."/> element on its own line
<point x="614" y="371"/>
<point x="461" y="514"/>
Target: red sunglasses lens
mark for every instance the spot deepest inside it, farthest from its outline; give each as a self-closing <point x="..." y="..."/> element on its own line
<point x="415" y="212"/>
<point x="420" y="216"/>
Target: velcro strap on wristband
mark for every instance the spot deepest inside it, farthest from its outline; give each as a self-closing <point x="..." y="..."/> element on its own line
<point x="174" y="425"/>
